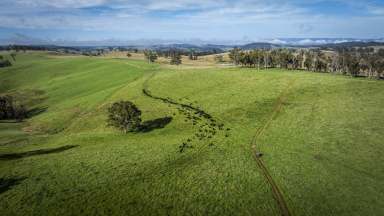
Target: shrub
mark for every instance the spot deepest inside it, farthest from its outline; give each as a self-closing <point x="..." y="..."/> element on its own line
<point x="8" y="110"/>
<point x="175" y="59"/>
<point x="125" y="116"/>
<point x="6" y="107"/>
<point x="20" y="112"/>
<point x="150" y="55"/>
<point x="5" y="63"/>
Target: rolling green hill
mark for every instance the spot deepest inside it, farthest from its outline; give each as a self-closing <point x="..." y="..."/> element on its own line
<point x="320" y="135"/>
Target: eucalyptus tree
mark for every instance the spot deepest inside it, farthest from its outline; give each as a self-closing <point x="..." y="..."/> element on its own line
<point x="235" y="55"/>
<point x="150" y="55"/>
<point x="175" y="57"/>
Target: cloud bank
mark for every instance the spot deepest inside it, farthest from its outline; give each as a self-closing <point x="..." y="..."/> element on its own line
<point x="187" y="19"/>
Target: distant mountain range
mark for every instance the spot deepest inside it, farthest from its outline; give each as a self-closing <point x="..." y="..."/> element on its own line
<point x="22" y="39"/>
<point x="194" y="44"/>
<point x="264" y="45"/>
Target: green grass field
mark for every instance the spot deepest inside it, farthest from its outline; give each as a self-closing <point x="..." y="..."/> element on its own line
<point x="321" y="136"/>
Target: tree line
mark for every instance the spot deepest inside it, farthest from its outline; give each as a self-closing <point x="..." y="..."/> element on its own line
<point x="174" y="55"/>
<point x="368" y="62"/>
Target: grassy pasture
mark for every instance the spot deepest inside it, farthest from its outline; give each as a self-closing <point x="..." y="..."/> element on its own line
<point x="323" y="147"/>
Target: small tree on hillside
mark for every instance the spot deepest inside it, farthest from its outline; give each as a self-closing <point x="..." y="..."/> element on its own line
<point x="150" y="55"/>
<point x="129" y="55"/>
<point x="192" y="55"/>
<point x="5" y="63"/>
<point x="20" y="112"/>
<point x="125" y="116"/>
<point x="175" y="58"/>
<point x="308" y="63"/>
<point x="235" y="55"/>
<point x="10" y="110"/>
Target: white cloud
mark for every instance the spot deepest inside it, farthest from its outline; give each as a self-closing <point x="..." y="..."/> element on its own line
<point x="60" y="3"/>
<point x="188" y="18"/>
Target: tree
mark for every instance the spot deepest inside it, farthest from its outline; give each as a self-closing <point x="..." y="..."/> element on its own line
<point x="6" y="107"/>
<point x="19" y="112"/>
<point x="129" y="55"/>
<point x="352" y="61"/>
<point x="10" y="110"/>
<point x="192" y="55"/>
<point x="5" y="63"/>
<point x="150" y="55"/>
<point x="175" y="58"/>
<point x="234" y="55"/>
<point x="125" y="116"/>
<point x="267" y="59"/>
<point x="352" y="66"/>
<point x="379" y="67"/>
<point x="335" y="63"/>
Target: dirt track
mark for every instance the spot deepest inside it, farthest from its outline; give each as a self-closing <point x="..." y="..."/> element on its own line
<point x="277" y="194"/>
<point x="260" y="131"/>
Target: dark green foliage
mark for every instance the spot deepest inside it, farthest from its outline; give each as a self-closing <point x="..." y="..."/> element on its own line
<point x="175" y="58"/>
<point x="6" y="107"/>
<point x="20" y="112"/>
<point x="150" y="55"/>
<point x="5" y="63"/>
<point x="10" y="110"/>
<point x="234" y="55"/>
<point x="355" y="62"/>
<point x="125" y="116"/>
<point x="192" y="55"/>
<point x="129" y="55"/>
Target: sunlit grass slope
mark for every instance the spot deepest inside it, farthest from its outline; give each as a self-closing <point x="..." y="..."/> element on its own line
<point x="323" y="148"/>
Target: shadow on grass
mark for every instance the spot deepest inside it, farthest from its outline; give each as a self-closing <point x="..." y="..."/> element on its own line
<point x="36" y="111"/>
<point x="151" y="125"/>
<point x="6" y="184"/>
<point x="27" y="114"/>
<point x="14" y="156"/>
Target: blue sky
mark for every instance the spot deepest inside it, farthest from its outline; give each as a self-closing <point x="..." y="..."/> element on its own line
<point x="82" y="20"/>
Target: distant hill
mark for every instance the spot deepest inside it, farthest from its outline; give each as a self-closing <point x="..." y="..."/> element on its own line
<point x="259" y="46"/>
<point x="353" y="44"/>
<point x="186" y="47"/>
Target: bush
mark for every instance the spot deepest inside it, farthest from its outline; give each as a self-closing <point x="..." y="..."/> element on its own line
<point x="20" y="112"/>
<point x="150" y="55"/>
<point x="8" y="110"/>
<point x="6" y="107"/>
<point x="175" y="59"/>
<point x="125" y="116"/>
<point x="5" y="63"/>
